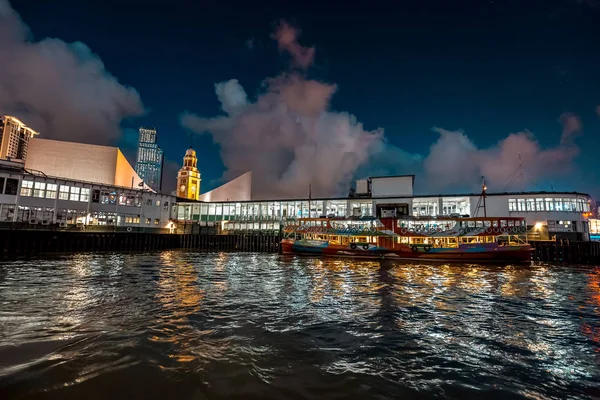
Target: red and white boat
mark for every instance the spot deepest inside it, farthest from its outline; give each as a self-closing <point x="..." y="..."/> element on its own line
<point x="483" y="239"/>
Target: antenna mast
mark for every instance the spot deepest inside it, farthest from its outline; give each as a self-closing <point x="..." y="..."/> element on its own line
<point x="309" y="198"/>
<point x="482" y="199"/>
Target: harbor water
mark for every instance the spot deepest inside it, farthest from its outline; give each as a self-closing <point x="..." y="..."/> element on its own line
<point x="188" y="325"/>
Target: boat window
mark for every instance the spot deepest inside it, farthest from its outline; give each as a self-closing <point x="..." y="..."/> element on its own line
<point x="495" y="224"/>
<point x="479" y="224"/>
<point x="471" y="224"/>
<point x="511" y="222"/>
<point x="487" y="224"/>
<point x="502" y="222"/>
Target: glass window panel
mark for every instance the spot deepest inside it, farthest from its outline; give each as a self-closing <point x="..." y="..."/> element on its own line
<point x="539" y="204"/>
<point x="530" y="204"/>
<point x="51" y="189"/>
<point x="558" y="204"/>
<point x="26" y="188"/>
<point x="64" y="192"/>
<point x="85" y="194"/>
<point x="74" y="193"/>
<point x="39" y="189"/>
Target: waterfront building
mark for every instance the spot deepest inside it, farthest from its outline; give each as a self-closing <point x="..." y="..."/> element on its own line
<point x="34" y="199"/>
<point x="548" y="214"/>
<point x="150" y="158"/>
<point x="188" y="177"/>
<point x="14" y="138"/>
<point x="82" y="162"/>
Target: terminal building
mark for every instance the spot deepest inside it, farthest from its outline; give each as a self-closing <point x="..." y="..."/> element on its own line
<point x="548" y="214"/>
<point x="55" y="195"/>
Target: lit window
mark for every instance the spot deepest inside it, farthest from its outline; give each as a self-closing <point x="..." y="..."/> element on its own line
<point x="586" y="206"/>
<point x="26" y="188"/>
<point x="38" y="189"/>
<point x="539" y="204"/>
<point x="530" y="204"/>
<point x="148" y="221"/>
<point x="51" y="190"/>
<point x="85" y="194"/>
<point x="157" y="203"/>
<point x="549" y="204"/>
<point x="521" y="205"/>
<point x="558" y="204"/>
<point x="74" y="194"/>
<point x="512" y="205"/>
<point x="157" y="222"/>
<point x="567" y="205"/>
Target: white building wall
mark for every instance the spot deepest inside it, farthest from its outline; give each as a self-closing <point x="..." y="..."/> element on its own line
<point x="499" y="205"/>
<point x="392" y="186"/>
<point x="70" y="160"/>
<point x="238" y="189"/>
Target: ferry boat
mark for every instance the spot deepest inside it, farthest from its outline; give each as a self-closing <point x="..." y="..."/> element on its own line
<point x="477" y="239"/>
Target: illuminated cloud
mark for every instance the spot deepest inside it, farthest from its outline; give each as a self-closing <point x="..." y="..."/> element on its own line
<point x="61" y="89"/>
<point x="287" y="39"/>
<point x="454" y="160"/>
<point x="289" y="138"/>
<point x="571" y="126"/>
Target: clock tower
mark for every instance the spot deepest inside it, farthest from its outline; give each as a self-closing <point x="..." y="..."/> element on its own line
<point x="188" y="177"/>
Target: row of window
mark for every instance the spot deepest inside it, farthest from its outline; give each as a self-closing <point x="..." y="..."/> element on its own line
<point x="49" y="191"/>
<point x="76" y="193"/>
<point x="272" y="210"/>
<point x="549" y="204"/>
<point x="26" y="214"/>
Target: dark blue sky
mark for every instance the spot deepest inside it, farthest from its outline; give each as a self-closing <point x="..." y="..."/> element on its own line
<point x="489" y="67"/>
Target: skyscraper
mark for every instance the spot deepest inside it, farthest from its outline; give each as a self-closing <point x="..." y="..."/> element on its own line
<point x="149" y="163"/>
<point x="14" y="138"/>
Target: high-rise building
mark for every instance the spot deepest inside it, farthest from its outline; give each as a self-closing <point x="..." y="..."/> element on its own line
<point x="149" y="163"/>
<point x="188" y="177"/>
<point x="14" y="138"/>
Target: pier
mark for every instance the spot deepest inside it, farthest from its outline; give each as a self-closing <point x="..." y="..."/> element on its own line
<point x="16" y="244"/>
<point x="32" y="243"/>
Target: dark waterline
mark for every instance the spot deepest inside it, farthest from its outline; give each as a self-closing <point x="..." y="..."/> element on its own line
<point x="207" y="326"/>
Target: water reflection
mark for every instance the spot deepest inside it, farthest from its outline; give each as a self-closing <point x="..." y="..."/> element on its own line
<point x="251" y="325"/>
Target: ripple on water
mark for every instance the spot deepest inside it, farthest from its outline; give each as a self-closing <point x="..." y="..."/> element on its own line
<point x="268" y="326"/>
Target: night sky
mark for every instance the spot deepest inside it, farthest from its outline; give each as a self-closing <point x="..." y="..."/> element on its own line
<point x="487" y="67"/>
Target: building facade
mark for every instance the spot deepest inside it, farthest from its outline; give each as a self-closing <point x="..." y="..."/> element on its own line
<point x="548" y="214"/>
<point x="82" y="162"/>
<point x="31" y="199"/>
<point x="188" y="177"/>
<point x="14" y="138"/>
<point x="150" y="158"/>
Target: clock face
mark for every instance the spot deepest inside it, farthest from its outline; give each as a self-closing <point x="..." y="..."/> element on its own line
<point x="182" y="188"/>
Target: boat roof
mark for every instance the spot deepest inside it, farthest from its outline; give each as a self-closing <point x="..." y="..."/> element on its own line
<point x="415" y="218"/>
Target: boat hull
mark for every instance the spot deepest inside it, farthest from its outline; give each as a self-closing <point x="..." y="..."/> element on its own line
<point x="464" y="253"/>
